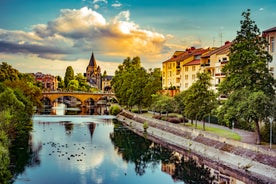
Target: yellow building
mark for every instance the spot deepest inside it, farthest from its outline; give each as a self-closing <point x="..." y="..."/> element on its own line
<point x="270" y="35"/>
<point x="171" y="71"/>
<point x="213" y="62"/>
<point x="190" y="66"/>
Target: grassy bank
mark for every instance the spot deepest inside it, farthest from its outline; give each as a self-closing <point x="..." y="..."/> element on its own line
<point x="222" y="132"/>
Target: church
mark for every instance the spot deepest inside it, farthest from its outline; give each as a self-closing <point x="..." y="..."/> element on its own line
<point x="93" y="73"/>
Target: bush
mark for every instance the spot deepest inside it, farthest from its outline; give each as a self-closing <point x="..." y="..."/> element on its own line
<point x="174" y="120"/>
<point x="156" y="116"/>
<point x="145" y="125"/>
<point x="115" y="109"/>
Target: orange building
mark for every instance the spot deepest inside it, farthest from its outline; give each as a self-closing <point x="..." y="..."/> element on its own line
<point x="48" y="81"/>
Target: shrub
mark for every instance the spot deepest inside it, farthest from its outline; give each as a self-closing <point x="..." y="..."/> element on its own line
<point x="145" y="126"/>
<point x="115" y="109"/>
<point x="174" y="120"/>
<point x="156" y="116"/>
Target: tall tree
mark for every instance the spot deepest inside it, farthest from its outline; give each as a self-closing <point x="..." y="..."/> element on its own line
<point x="61" y="84"/>
<point x="69" y="75"/>
<point x="199" y="99"/>
<point x="248" y="80"/>
<point x="133" y="85"/>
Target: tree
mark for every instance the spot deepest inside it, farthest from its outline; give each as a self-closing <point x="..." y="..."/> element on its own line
<point x="133" y="85"/>
<point x="248" y="80"/>
<point x="69" y="75"/>
<point x="83" y="85"/>
<point x="73" y="85"/>
<point x="163" y="103"/>
<point x="61" y="84"/>
<point x="180" y="106"/>
<point x="8" y="73"/>
<point x="199" y="100"/>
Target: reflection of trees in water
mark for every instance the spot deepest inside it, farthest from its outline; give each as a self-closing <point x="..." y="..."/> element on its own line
<point x="22" y="154"/>
<point x="146" y="154"/>
<point x="190" y="171"/>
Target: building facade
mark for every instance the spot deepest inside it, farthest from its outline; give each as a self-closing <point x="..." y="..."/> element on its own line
<point x="93" y="73"/>
<point x="190" y="66"/>
<point x="106" y="83"/>
<point x="270" y="35"/>
<point x="171" y="71"/>
<point x="49" y="82"/>
<point x="213" y="62"/>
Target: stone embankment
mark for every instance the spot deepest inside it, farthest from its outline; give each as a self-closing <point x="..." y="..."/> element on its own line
<point x="252" y="162"/>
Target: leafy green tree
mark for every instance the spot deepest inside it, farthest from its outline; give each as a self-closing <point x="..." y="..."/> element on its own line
<point x="163" y="103"/>
<point x="61" y="84"/>
<point x="83" y="85"/>
<point x="133" y="85"/>
<point x="69" y="75"/>
<point x="248" y="79"/>
<point x="5" y="174"/>
<point x="73" y="85"/>
<point x="199" y="100"/>
<point x="180" y="106"/>
<point x="7" y="72"/>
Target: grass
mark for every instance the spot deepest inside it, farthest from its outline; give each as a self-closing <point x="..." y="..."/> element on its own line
<point x="214" y="130"/>
<point x="218" y="131"/>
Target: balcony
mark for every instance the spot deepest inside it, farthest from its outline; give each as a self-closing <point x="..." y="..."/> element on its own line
<point x="205" y="64"/>
<point x="220" y="74"/>
<point x="224" y="62"/>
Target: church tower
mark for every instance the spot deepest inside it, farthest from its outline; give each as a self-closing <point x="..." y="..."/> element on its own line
<point x="93" y="73"/>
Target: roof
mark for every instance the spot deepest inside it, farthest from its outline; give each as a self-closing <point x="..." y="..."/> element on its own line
<point x="270" y="30"/>
<point x="186" y="54"/>
<point x="194" y="62"/>
<point x="107" y="77"/>
<point x="92" y="61"/>
<point x="221" y="50"/>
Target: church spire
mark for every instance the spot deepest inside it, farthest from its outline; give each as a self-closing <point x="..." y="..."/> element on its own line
<point x="92" y="61"/>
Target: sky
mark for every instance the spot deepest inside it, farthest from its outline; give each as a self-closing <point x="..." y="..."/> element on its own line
<point x="50" y="35"/>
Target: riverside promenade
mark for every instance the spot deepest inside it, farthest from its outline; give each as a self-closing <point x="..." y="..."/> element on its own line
<point x="253" y="163"/>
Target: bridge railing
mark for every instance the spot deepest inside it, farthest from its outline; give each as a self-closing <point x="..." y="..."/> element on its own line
<point x="77" y="92"/>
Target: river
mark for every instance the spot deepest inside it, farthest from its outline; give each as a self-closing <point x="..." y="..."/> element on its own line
<point x="99" y="150"/>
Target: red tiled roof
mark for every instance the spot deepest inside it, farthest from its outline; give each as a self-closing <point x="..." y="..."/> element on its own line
<point x="221" y="50"/>
<point x="270" y="30"/>
<point x="194" y="62"/>
<point x="186" y="54"/>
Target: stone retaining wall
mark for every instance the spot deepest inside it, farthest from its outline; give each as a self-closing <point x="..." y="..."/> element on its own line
<point x="195" y="133"/>
<point x="224" y="161"/>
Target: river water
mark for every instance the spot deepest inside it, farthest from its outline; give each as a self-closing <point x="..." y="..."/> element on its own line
<point x="99" y="150"/>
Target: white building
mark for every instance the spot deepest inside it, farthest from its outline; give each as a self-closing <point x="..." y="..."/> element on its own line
<point x="270" y="35"/>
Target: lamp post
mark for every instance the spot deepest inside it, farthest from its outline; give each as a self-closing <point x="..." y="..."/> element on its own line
<point x="270" y="132"/>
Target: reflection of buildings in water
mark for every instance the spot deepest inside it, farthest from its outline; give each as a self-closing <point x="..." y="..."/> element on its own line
<point x="91" y="127"/>
<point x="219" y="178"/>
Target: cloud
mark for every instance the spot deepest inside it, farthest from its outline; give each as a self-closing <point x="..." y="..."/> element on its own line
<point x="77" y="31"/>
<point x="117" y="4"/>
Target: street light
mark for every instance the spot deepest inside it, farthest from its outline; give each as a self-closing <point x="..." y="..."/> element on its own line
<point x="270" y="132"/>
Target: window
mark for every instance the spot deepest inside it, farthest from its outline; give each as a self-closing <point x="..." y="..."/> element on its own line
<point x="272" y="46"/>
<point x="186" y="85"/>
<point x="193" y="77"/>
<point x="186" y="68"/>
<point x="170" y="73"/>
<point x="193" y="68"/>
<point x="186" y="77"/>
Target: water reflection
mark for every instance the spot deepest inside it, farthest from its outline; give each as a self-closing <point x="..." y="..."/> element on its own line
<point x="101" y="152"/>
<point x="146" y="154"/>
